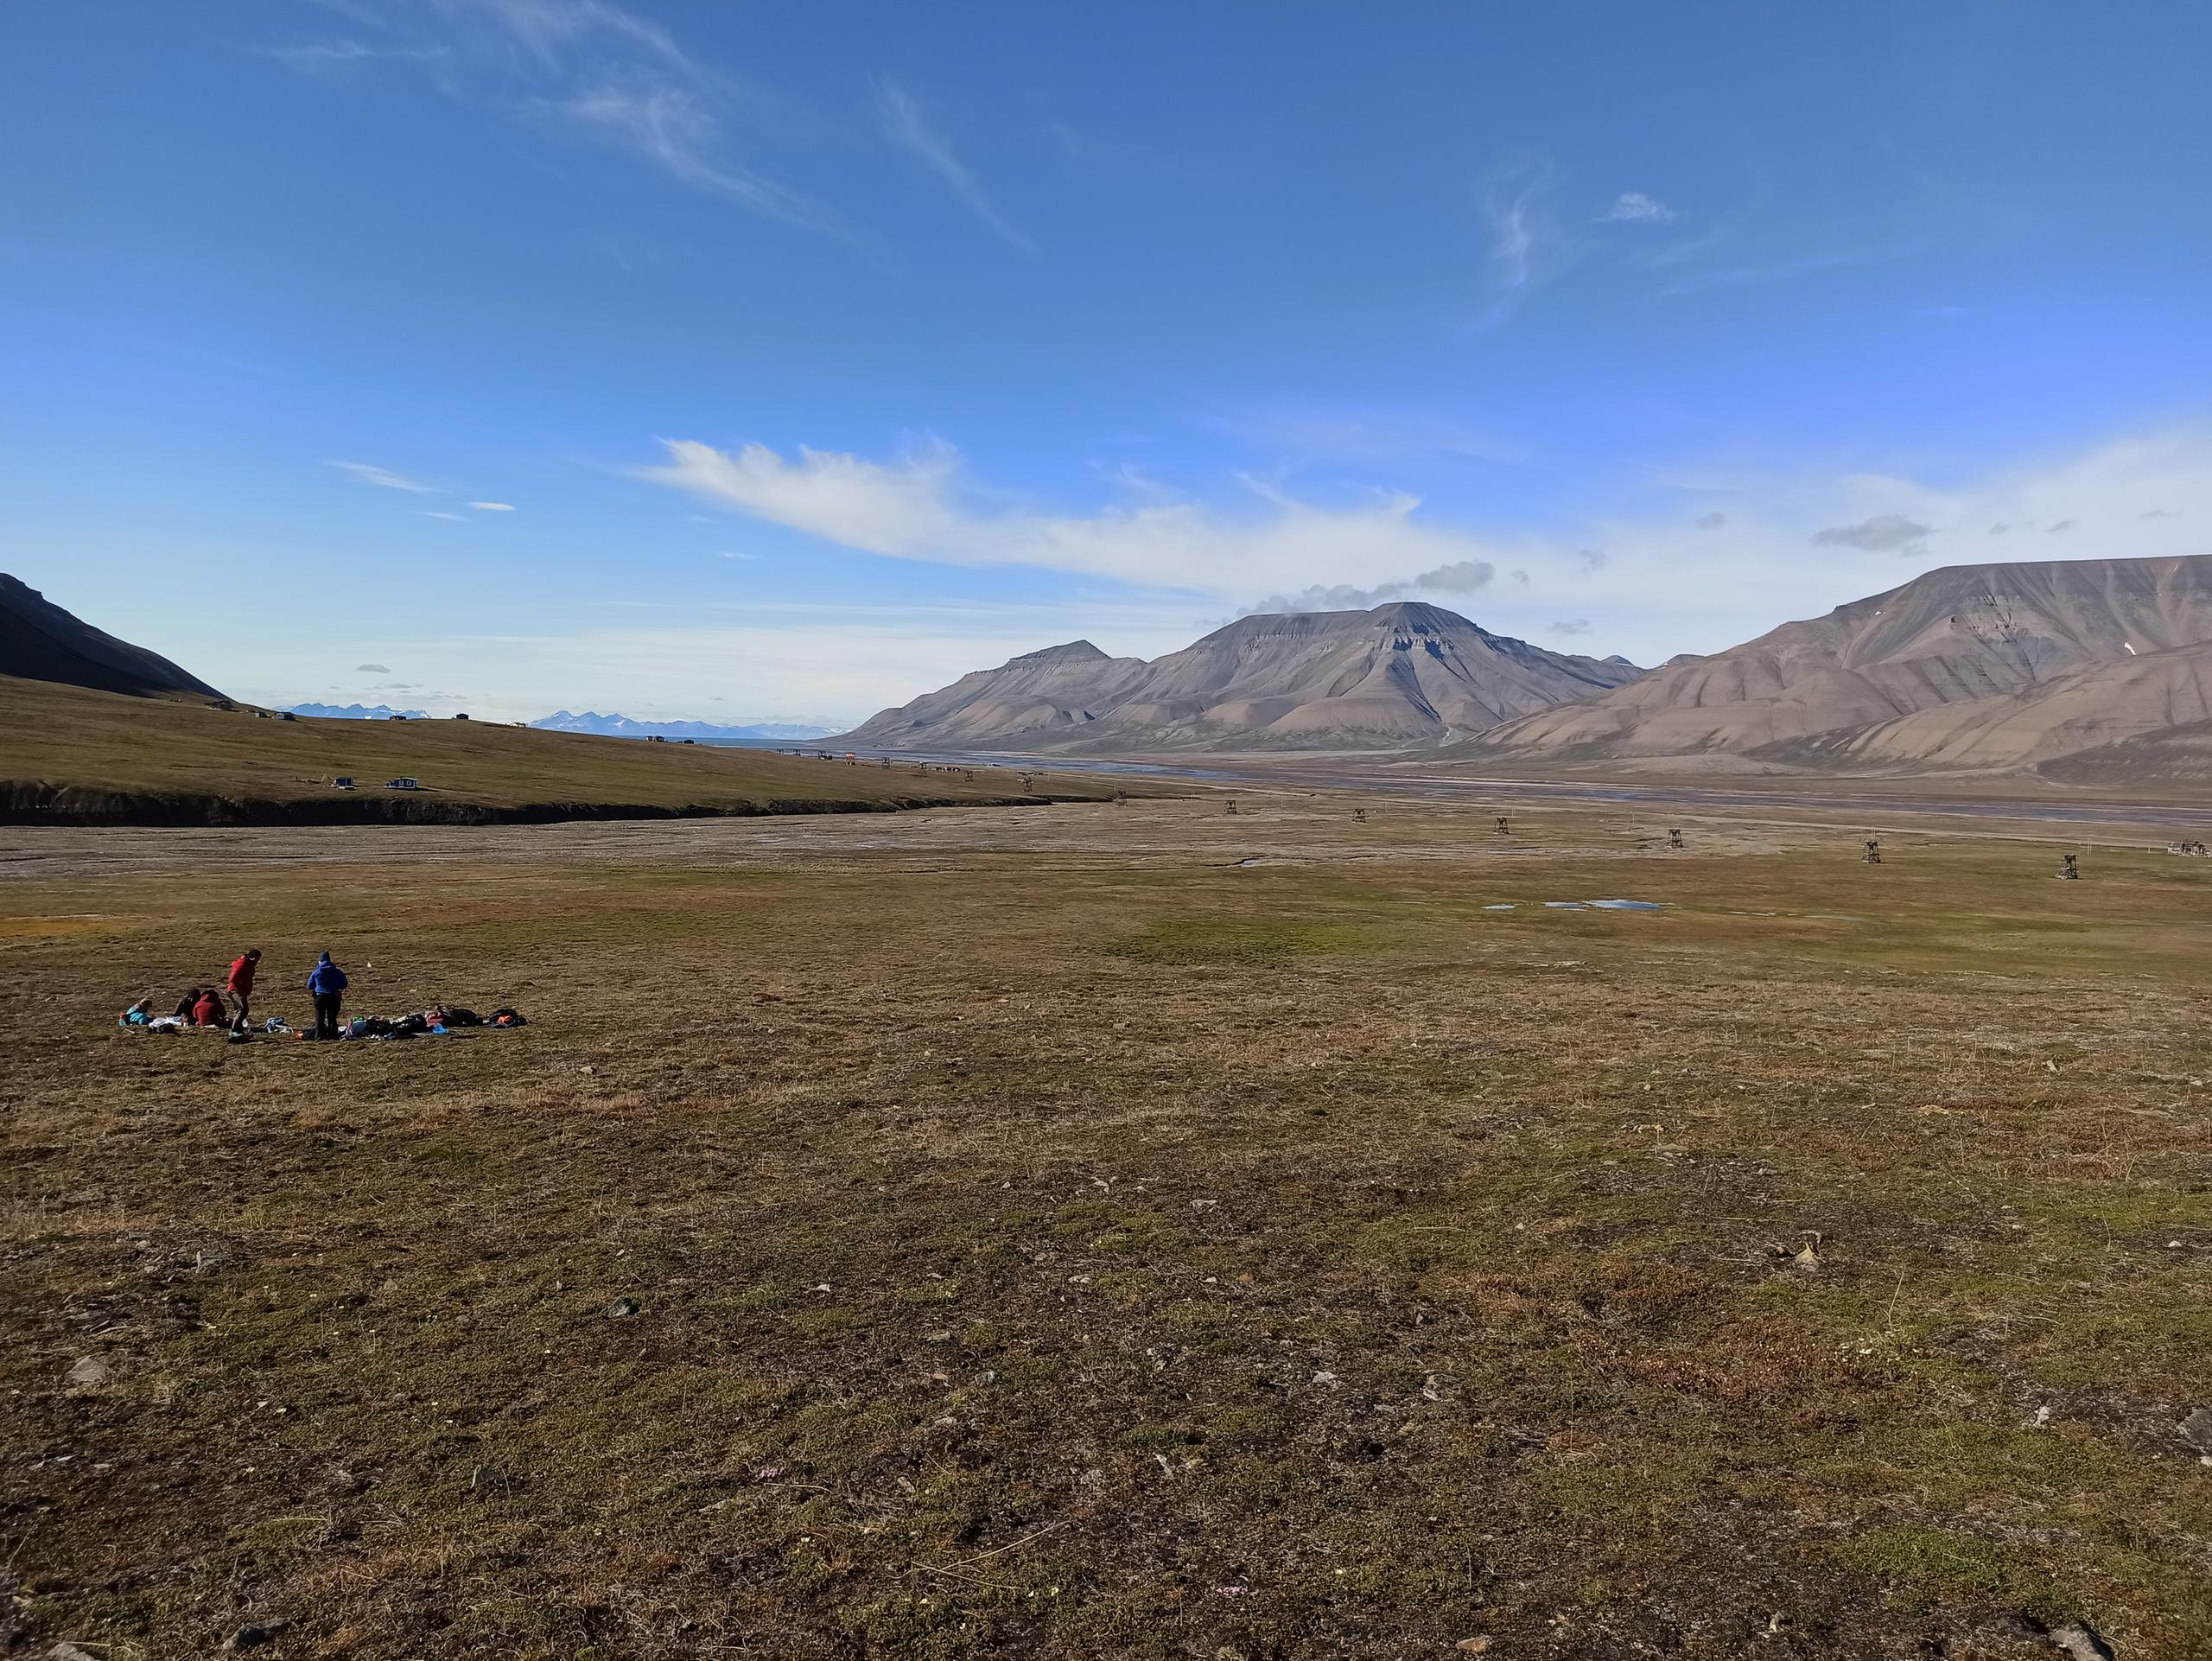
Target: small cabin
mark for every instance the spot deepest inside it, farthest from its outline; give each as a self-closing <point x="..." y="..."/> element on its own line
<point x="394" y="717"/>
<point x="460" y="717"/>
<point x="403" y="784"/>
<point x="286" y="715"/>
<point x="343" y="781"/>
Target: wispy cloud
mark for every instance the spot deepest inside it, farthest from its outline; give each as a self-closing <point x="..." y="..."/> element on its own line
<point x="1568" y="626"/>
<point x="1526" y="243"/>
<point x="593" y="66"/>
<point x="493" y="507"/>
<point x="906" y="124"/>
<point x="433" y="513"/>
<point x="383" y="477"/>
<point x="332" y="56"/>
<point x="1783" y="270"/>
<point x="1634" y="207"/>
<point x="920" y="506"/>
<point x="670" y="127"/>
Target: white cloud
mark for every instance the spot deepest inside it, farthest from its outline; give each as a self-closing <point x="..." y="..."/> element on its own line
<point x="493" y="507"/>
<point x="906" y="125"/>
<point x="433" y="513"/>
<point x="918" y="507"/>
<point x="1634" y="207"/>
<point x="383" y="477"/>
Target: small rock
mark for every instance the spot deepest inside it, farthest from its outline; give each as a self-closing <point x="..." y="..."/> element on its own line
<point x="2041" y="1418"/>
<point x="622" y="1306"/>
<point x="66" y="1651"/>
<point x="88" y="1372"/>
<point x="1478" y="1644"/>
<point x="2196" y="1430"/>
<point x="2082" y="1641"/>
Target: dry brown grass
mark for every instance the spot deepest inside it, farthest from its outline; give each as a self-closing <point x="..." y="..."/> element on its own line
<point x="1051" y="1239"/>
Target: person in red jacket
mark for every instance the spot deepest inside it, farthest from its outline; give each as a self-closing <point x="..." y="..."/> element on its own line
<point x="209" y="1011"/>
<point x="242" y="971"/>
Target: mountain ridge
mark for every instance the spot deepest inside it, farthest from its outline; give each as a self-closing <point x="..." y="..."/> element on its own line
<point x="1404" y="675"/>
<point x="1949" y="637"/>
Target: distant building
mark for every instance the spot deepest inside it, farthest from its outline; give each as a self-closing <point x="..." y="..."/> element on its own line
<point x="403" y="784"/>
<point x="343" y="781"/>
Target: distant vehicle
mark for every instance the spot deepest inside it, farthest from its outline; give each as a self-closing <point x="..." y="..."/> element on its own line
<point x="343" y="781"/>
<point x="403" y="784"/>
<point x="655" y="738"/>
<point x="460" y="717"/>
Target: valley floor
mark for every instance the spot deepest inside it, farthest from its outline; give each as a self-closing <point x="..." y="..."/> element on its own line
<point x="1043" y="1233"/>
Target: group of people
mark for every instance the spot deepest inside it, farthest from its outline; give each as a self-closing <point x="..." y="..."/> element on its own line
<point x="204" y="1006"/>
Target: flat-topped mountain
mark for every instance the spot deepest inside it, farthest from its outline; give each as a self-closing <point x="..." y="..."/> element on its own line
<point x="41" y="641"/>
<point x="1400" y="675"/>
<point x="1949" y="637"/>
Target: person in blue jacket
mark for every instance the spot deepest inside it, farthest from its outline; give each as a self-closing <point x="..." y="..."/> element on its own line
<point x="327" y="981"/>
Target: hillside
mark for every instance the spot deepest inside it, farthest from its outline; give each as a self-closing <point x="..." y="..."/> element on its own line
<point x="40" y="641"/>
<point x="1400" y="675"/>
<point x="2103" y="705"/>
<point x="1949" y="637"/>
<point x="69" y="754"/>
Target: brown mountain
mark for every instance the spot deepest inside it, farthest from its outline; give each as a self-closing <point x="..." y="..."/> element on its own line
<point x="1949" y="637"/>
<point x="1399" y="675"/>
<point x="41" y="641"/>
<point x="2105" y="704"/>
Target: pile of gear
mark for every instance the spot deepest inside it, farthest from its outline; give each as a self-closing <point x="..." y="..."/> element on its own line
<point x="437" y="1021"/>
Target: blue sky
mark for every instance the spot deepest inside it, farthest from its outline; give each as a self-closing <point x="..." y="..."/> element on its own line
<point x="735" y="361"/>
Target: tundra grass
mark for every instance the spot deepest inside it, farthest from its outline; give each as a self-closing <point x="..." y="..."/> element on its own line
<point x="929" y="1239"/>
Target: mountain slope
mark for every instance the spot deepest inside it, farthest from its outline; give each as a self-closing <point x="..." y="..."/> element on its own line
<point x="41" y="641"/>
<point x="1029" y="701"/>
<point x="1400" y="675"/>
<point x="1953" y="635"/>
<point x="2103" y="705"/>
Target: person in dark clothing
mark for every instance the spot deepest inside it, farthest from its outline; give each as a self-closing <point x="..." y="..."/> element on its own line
<point x="187" y="1004"/>
<point x="241" y="983"/>
<point x="326" y="981"/>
